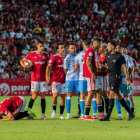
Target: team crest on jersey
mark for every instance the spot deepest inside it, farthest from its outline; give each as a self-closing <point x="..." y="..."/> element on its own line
<point x="114" y="60"/>
<point x="44" y="85"/>
<point x="102" y="60"/>
<point x="43" y="57"/>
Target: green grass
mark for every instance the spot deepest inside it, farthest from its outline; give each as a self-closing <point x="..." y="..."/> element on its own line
<point x="74" y="129"/>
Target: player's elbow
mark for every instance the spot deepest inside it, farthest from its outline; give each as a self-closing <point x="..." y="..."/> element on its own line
<point x="75" y="67"/>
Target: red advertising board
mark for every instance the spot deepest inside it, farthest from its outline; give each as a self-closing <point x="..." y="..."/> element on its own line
<point x="19" y="87"/>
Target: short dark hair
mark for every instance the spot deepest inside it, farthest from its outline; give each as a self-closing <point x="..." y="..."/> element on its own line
<point x="124" y="46"/>
<point x="71" y="44"/>
<point x="39" y="40"/>
<point x="57" y="45"/>
<point x="87" y="42"/>
<point x="98" y="40"/>
<point x="113" y="42"/>
<point x="120" y="45"/>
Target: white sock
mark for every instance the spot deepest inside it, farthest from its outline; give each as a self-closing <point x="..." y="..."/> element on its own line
<point x="68" y="113"/>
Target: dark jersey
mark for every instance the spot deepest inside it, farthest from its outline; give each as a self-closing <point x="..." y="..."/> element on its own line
<point x="114" y="62"/>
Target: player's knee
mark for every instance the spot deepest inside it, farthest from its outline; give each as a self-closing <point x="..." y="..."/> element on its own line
<point x="34" y="97"/>
<point x="55" y="96"/>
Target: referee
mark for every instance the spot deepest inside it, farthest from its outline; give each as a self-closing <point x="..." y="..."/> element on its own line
<point x="115" y="61"/>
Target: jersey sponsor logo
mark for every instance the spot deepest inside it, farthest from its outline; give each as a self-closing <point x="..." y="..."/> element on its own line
<point x="90" y="54"/>
<point x="43" y="57"/>
<point x="35" y="57"/>
<point x="44" y="85"/>
<point x="59" y="61"/>
<point x="60" y="65"/>
<point x="4" y="89"/>
<point x="108" y="56"/>
<point x="39" y="62"/>
<point x="114" y="60"/>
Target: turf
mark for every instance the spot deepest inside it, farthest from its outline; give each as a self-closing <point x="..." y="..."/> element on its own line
<point x="74" y="129"/>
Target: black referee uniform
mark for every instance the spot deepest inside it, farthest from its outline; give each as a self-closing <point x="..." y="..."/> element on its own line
<point x="114" y="62"/>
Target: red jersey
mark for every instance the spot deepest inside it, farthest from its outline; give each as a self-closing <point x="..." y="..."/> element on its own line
<point x="39" y="65"/>
<point x="135" y="63"/>
<point x="57" y="63"/>
<point x="101" y="60"/>
<point x="10" y="105"/>
<point x="89" y="53"/>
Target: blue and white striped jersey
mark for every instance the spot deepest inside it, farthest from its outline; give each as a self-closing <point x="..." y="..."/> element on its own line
<point x="79" y="60"/>
<point x="129" y="63"/>
<point x="69" y="62"/>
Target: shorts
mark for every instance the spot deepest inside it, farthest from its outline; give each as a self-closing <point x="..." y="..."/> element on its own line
<point x="58" y="88"/>
<point x="70" y="85"/>
<point x="103" y="82"/>
<point x="115" y="82"/>
<point x="131" y="89"/>
<point x="82" y="86"/>
<point x="38" y="86"/>
<point x="123" y="89"/>
<point x="22" y="105"/>
<point x="92" y="86"/>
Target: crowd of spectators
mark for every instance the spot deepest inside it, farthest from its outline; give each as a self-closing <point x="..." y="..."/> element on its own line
<point x="23" y="21"/>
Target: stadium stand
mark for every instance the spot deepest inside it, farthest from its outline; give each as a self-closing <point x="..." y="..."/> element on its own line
<point x="23" y="21"/>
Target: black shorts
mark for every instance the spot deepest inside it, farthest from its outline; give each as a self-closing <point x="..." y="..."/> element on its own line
<point x="115" y="82"/>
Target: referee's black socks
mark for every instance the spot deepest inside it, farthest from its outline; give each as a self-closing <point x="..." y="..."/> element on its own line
<point x="124" y="104"/>
<point x="110" y="108"/>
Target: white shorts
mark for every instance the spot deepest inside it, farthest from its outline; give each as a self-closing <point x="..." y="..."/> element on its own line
<point x="92" y="86"/>
<point x="103" y="82"/>
<point x="38" y="86"/>
<point x="131" y="89"/>
<point x="22" y="105"/>
<point x="58" y="88"/>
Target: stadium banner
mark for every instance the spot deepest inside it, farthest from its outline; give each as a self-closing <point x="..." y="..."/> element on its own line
<point x="19" y="87"/>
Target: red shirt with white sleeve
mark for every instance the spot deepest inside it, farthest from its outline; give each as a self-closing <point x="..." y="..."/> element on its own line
<point x="39" y="65"/>
<point x="9" y="105"/>
<point x="89" y="53"/>
<point x="57" y="63"/>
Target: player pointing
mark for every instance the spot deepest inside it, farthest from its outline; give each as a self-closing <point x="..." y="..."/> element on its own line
<point x="38" y="81"/>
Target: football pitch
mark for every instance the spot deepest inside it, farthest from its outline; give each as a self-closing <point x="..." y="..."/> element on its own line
<point x="74" y="129"/>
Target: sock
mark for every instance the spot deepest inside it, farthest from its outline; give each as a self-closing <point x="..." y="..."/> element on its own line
<point x="102" y="105"/>
<point x="54" y="107"/>
<point x="79" y="110"/>
<point x="94" y="105"/>
<point x="31" y="102"/>
<point x="124" y="104"/>
<point x="61" y="109"/>
<point x="106" y="103"/>
<point x="128" y="101"/>
<point x="22" y="115"/>
<point x="82" y="106"/>
<point x="110" y="108"/>
<point x="132" y="109"/>
<point x="87" y="110"/>
<point x="100" y="109"/>
<point x="68" y="104"/>
<point x="43" y="105"/>
<point x="118" y="106"/>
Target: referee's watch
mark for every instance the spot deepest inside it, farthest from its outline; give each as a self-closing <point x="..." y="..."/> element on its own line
<point x="128" y="79"/>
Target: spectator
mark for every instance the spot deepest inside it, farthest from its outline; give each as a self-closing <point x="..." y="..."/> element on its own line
<point x="12" y="33"/>
<point x="4" y="63"/>
<point x="5" y="75"/>
<point x="119" y="34"/>
<point x="123" y="29"/>
<point x="84" y="19"/>
<point x="95" y="8"/>
<point x="1" y="69"/>
<point x="130" y="46"/>
<point x="25" y="51"/>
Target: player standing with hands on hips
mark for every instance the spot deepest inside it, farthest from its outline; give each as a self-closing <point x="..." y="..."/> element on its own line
<point x="114" y="62"/>
<point x="38" y="80"/>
